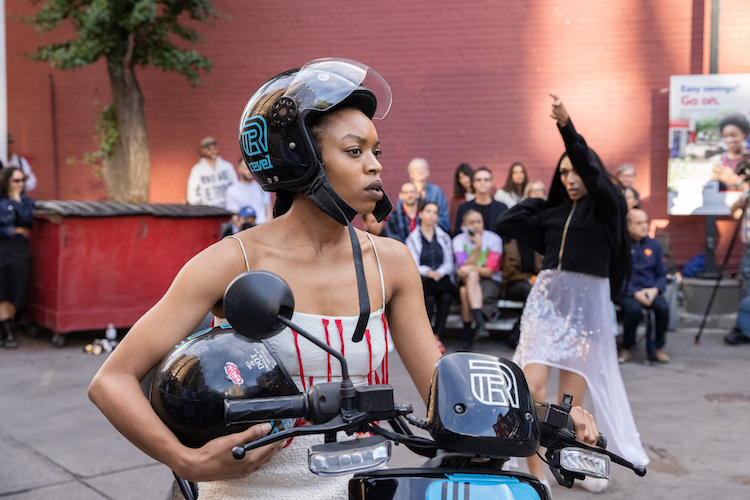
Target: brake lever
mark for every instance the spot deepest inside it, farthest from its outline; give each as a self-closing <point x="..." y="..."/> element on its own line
<point x="353" y="423"/>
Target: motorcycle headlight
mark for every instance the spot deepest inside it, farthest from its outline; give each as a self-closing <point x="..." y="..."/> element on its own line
<point x="585" y="462"/>
<point x="349" y="457"/>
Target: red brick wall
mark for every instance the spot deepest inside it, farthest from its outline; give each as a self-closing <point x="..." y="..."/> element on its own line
<point x="469" y="83"/>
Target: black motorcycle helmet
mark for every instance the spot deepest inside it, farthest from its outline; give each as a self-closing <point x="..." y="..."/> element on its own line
<point x="280" y="151"/>
<point x="274" y="131"/>
<point x="198" y="375"/>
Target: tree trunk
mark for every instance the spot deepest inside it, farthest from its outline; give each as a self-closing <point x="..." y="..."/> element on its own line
<point x="126" y="171"/>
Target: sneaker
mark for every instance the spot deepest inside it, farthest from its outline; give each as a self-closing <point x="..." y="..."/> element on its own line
<point x="10" y="341"/>
<point x="594" y="484"/>
<point x="737" y="337"/>
<point x="625" y="356"/>
<point x="661" y="356"/>
<point x="481" y="333"/>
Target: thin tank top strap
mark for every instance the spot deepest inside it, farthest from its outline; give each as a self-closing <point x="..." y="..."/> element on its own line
<point x="244" y="254"/>
<point x="380" y="269"/>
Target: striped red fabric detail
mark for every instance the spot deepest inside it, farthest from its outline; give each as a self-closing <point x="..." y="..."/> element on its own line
<point x="340" y="326"/>
<point x="369" y="350"/>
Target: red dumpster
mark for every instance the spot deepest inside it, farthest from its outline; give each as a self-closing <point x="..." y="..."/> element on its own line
<point x="96" y="263"/>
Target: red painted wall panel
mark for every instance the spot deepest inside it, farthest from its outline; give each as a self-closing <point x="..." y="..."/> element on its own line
<point x="469" y="81"/>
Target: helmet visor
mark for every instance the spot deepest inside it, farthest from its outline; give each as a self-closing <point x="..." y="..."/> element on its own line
<point x="323" y="83"/>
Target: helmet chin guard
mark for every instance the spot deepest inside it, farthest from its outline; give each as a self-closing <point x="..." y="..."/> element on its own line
<point x="328" y="200"/>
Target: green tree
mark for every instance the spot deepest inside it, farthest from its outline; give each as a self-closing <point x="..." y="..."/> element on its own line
<point x="127" y="33"/>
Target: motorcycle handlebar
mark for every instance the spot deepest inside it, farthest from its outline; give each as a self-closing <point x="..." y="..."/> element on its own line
<point x="263" y="410"/>
<point x="321" y="403"/>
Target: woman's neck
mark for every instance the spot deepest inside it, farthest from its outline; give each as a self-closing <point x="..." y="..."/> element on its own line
<point x="311" y="223"/>
<point x="428" y="231"/>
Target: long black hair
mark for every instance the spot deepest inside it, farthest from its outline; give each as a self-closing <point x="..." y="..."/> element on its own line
<point x="458" y="189"/>
<point x="5" y="175"/>
<point x="512" y="187"/>
<point x="619" y="259"/>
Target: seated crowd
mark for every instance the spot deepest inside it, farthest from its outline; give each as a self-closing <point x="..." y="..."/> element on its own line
<point x="463" y="261"/>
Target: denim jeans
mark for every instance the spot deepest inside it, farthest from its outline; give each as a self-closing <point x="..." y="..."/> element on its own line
<point x="743" y="317"/>
<point x="745" y="272"/>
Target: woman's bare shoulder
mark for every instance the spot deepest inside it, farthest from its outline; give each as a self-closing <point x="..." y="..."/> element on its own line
<point x="387" y="247"/>
<point x="396" y="260"/>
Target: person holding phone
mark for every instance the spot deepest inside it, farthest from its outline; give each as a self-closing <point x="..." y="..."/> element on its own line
<point x="479" y="254"/>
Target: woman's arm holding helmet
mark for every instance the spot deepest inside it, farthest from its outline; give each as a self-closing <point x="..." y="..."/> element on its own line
<point x="407" y="316"/>
<point x="116" y="389"/>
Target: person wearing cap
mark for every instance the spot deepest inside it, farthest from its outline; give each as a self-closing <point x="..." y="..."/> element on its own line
<point x="210" y="177"/>
<point x="246" y="192"/>
<point x="243" y="219"/>
<point x="246" y="218"/>
<point x="17" y="161"/>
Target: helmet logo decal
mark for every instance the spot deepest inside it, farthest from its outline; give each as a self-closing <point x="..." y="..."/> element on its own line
<point x="254" y="142"/>
<point x="233" y="373"/>
<point x="493" y="383"/>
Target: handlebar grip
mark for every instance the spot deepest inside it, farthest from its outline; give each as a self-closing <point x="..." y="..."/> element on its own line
<point x="265" y="409"/>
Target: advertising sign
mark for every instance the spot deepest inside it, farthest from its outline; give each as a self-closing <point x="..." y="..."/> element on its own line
<point x="699" y="152"/>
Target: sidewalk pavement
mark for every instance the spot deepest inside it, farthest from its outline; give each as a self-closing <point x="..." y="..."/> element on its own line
<point x="692" y="414"/>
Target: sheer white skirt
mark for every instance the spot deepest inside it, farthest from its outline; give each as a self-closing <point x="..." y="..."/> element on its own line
<point x="569" y="323"/>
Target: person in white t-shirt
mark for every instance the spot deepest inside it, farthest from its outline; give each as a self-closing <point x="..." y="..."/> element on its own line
<point x="246" y="192"/>
<point x="20" y="162"/>
<point x="211" y="177"/>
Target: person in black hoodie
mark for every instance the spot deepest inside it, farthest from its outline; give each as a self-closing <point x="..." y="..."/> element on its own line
<point x="569" y="322"/>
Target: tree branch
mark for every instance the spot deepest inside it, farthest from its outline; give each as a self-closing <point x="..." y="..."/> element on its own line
<point x="127" y="60"/>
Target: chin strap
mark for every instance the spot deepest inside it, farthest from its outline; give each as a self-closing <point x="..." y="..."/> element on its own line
<point x="364" y="296"/>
